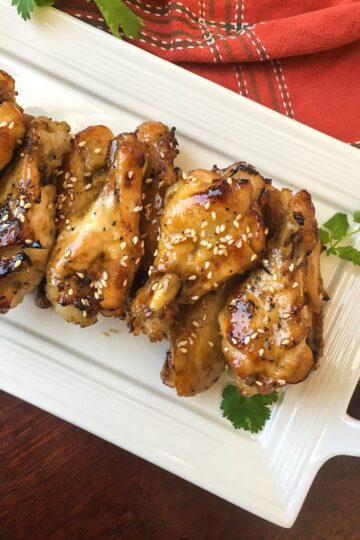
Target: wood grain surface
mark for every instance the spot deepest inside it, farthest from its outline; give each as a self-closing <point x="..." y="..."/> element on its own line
<point x="58" y="482"/>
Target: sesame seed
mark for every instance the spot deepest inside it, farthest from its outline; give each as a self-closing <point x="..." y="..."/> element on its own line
<point x="266" y="231"/>
<point x="207" y="265"/>
<point x="80" y="274"/>
<point x="105" y="275"/>
<point x="67" y="253"/>
<point x="285" y="342"/>
<point x="148" y="180"/>
<point x="229" y="181"/>
<point x="247" y="229"/>
<point x="244" y="237"/>
<point x="247" y="340"/>
<point x="226" y="349"/>
<point x="239" y="244"/>
<point x="17" y="263"/>
<point x="183" y="350"/>
<point x="84" y="314"/>
<point x="83" y="301"/>
<point x="281" y="382"/>
<point x="103" y="282"/>
<point x="271" y="289"/>
<point x="253" y="336"/>
<point x="22" y="203"/>
<point x="195" y="298"/>
<point x="82" y="143"/>
<point x="184" y="175"/>
<point x="286" y="316"/>
<point x="88" y="186"/>
<point x="154" y="287"/>
<point x="27" y="205"/>
<point x="213" y="215"/>
<point x="192" y="277"/>
<point x="125" y="282"/>
<point x="261" y="352"/>
<point x="236" y="224"/>
<point x="222" y="228"/>
<point x="196" y="324"/>
<point x="207" y="205"/>
<point x="265" y="261"/>
<point x="22" y="218"/>
<point x="291" y="267"/>
<point x="181" y="343"/>
<point x="295" y="285"/>
<point x="261" y="331"/>
<point x="217" y="229"/>
<point x="135" y="240"/>
<point x="96" y="296"/>
<point x="204" y="224"/>
<point x="234" y="341"/>
<point x="73" y="179"/>
<point x="70" y="292"/>
<point x="5" y="218"/>
<point x="162" y="155"/>
<point x="209" y="275"/>
<point x="87" y="174"/>
<point x="130" y="174"/>
<point x="253" y="257"/>
<point x="11" y="125"/>
<point x="68" y="227"/>
<point x="238" y="217"/>
<point x="28" y="241"/>
<point x="123" y="245"/>
<point x="5" y="225"/>
<point x="137" y="208"/>
<point x="3" y="124"/>
<point x="275" y="276"/>
<point x="138" y="260"/>
<point x="97" y="150"/>
<point x="211" y="343"/>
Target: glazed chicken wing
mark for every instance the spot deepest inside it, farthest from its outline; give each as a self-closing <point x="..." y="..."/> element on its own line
<point x="12" y="128"/>
<point x="160" y="145"/>
<point x="272" y="322"/>
<point x="93" y="264"/>
<point x="195" y="359"/>
<point x="27" y="209"/>
<point x="211" y="230"/>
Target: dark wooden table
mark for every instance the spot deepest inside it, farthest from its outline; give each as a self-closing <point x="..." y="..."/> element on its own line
<point x="61" y="483"/>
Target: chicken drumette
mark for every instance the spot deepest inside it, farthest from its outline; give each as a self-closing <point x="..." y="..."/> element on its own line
<point x="272" y="322"/>
<point x="12" y="128"/>
<point x="211" y="229"/>
<point x="98" y="252"/>
<point x="160" y="146"/>
<point x="27" y="209"/>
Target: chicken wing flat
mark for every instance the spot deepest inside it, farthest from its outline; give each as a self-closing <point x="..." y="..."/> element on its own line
<point x="93" y="264"/>
<point x="211" y="229"/>
<point x="12" y="128"/>
<point x="195" y="359"/>
<point x="27" y="209"/>
<point x="272" y="322"/>
<point x="160" y="145"/>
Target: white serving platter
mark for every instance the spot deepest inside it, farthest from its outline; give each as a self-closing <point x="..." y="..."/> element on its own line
<point x="110" y="386"/>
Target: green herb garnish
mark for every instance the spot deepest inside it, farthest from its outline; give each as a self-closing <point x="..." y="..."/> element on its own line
<point x="248" y="413"/>
<point x="335" y="231"/>
<point x="117" y="15"/>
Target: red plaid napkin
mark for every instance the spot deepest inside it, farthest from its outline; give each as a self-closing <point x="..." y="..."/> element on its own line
<point x="301" y="58"/>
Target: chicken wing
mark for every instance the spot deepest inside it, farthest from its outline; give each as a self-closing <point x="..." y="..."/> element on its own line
<point x="12" y="128"/>
<point x="27" y="209"/>
<point x="272" y="322"/>
<point x="161" y="147"/>
<point x="93" y="264"/>
<point x="195" y="360"/>
<point x="211" y="230"/>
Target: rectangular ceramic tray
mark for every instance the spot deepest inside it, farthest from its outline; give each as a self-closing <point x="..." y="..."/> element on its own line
<point x="110" y="385"/>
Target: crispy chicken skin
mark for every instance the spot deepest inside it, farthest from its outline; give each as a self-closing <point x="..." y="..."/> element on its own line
<point x="211" y="229"/>
<point x="27" y="209"/>
<point x="93" y="264"/>
<point x="272" y="322"/>
<point x="160" y="145"/>
<point x="195" y="359"/>
<point x="12" y="128"/>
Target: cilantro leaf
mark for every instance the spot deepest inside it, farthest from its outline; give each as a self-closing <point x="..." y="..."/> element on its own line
<point x="324" y="236"/>
<point x="349" y="253"/>
<point x="24" y="7"/>
<point x="247" y="413"/>
<point x="356" y="216"/>
<point x="118" y="15"/>
<point x="338" y="225"/>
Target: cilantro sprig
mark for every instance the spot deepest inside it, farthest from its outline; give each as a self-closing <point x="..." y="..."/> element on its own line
<point x="335" y="231"/>
<point x="118" y="17"/>
<point x="248" y="413"/>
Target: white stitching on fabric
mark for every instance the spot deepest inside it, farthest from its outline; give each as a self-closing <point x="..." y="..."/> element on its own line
<point x="286" y="88"/>
<point x="210" y="41"/>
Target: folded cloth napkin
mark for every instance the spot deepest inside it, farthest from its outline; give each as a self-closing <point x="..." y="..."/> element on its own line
<point x="301" y="58"/>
